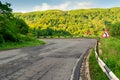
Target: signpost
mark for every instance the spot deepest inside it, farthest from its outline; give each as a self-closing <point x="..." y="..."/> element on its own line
<point x="105" y="34"/>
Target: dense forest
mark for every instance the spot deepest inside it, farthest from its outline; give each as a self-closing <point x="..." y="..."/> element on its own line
<point x="83" y="22"/>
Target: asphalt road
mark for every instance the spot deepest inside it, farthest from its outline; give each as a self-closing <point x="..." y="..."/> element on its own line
<point x="54" y="61"/>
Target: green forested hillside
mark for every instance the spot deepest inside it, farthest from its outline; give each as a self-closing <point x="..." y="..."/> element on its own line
<point x="83" y="22"/>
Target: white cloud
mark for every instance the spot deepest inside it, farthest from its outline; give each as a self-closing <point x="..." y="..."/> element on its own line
<point x="65" y="6"/>
<point x="22" y="11"/>
<point x="84" y="4"/>
<point x="46" y="6"/>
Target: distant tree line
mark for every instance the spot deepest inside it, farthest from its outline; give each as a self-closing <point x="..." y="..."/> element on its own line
<point x="81" y="22"/>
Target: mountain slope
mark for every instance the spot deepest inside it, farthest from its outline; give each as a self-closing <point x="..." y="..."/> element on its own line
<point x="76" y="22"/>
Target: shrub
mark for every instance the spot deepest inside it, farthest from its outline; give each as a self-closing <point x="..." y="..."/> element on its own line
<point x="1" y="39"/>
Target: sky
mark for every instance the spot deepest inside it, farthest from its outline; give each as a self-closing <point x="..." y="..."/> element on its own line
<point x="41" y="5"/>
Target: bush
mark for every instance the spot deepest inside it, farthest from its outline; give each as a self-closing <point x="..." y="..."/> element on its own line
<point x="1" y="39"/>
<point x="22" y="27"/>
<point x="23" y="38"/>
<point x="11" y="27"/>
<point x="115" y="29"/>
<point x="9" y="36"/>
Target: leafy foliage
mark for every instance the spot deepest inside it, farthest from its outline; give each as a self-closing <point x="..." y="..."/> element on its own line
<point x="5" y="9"/>
<point x="10" y="27"/>
<point x="115" y="29"/>
<point x="22" y="26"/>
<point x="76" y="22"/>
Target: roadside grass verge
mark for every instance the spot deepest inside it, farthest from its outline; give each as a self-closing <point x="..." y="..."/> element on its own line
<point x="95" y="70"/>
<point x="13" y="45"/>
<point x="111" y="54"/>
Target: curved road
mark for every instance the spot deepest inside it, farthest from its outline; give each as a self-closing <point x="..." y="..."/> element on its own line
<point x="54" y="61"/>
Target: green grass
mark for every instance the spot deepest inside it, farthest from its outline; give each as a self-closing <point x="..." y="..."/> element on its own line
<point x="95" y="70"/>
<point x="13" y="45"/>
<point x="111" y="54"/>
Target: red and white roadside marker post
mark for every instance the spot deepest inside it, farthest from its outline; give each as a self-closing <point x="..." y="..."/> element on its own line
<point x="105" y="34"/>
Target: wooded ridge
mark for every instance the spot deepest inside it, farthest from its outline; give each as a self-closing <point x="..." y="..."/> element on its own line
<point x="83" y="22"/>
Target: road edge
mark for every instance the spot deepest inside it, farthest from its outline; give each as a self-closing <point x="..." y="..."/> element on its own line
<point x="79" y="64"/>
<point x="87" y="65"/>
<point x="76" y="67"/>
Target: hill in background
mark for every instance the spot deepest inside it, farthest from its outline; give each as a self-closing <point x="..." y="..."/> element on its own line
<point x="83" y="22"/>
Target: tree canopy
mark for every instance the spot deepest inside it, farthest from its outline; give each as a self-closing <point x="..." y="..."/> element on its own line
<point x="75" y="22"/>
<point x="11" y="28"/>
<point x="5" y="9"/>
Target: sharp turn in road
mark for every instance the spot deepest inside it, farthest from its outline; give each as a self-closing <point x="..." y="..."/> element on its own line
<point x="54" y="61"/>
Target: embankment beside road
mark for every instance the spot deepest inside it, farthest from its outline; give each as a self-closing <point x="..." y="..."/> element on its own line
<point x="110" y="55"/>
